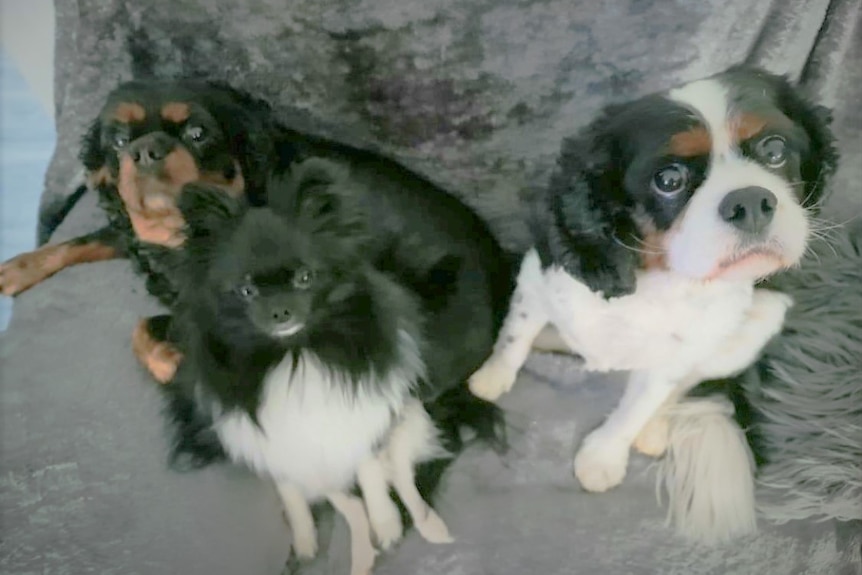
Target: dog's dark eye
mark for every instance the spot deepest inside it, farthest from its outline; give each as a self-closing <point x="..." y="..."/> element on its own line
<point x="772" y="150"/>
<point x="247" y="291"/>
<point x="670" y="180"/>
<point x="196" y="134"/>
<point x="302" y="278"/>
<point x="121" y="141"/>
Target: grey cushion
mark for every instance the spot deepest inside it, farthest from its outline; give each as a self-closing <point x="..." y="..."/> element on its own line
<point x="474" y="94"/>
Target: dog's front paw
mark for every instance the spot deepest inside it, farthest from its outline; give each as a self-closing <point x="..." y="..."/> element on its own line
<point x="305" y="544"/>
<point x="492" y="380"/>
<point x="601" y="462"/>
<point x="654" y="437"/>
<point x="433" y="529"/>
<point x="387" y="527"/>
<point x="24" y="271"/>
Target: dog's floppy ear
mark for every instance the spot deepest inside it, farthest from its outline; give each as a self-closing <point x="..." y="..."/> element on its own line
<point x="821" y="160"/>
<point x="249" y="123"/>
<point x="91" y="154"/>
<point x="207" y="210"/>
<point x="320" y="196"/>
<point x="587" y="215"/>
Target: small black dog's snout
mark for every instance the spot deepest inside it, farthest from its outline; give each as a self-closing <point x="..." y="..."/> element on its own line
<point x="280" y="315"/>
<point x="748" y="209"/>
<point x="149" y="151"/>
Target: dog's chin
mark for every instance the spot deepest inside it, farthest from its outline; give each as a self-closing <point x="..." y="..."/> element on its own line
<point x="287" y="329"/>
<point x="749" y="265"/>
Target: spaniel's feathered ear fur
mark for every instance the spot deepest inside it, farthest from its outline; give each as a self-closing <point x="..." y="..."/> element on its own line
<point x="821" y="160"/>
<point x="588" y="219"/>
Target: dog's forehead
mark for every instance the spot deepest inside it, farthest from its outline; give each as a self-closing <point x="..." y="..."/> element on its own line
<point x="730" y="108"/>
<point x="145" y="102"/>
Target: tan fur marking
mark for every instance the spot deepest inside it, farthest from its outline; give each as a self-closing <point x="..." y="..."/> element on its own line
<point x="128" y="112"/>
<point x="150" y="200"/>
<point x="234" y="187"/>
<point x="693" y="142"/>
<point x="176" y="112"/>
<point x="100" y="177"/>
<point x="26" y="270"/>
<point x="746" y="126"/>
<point x="158" y="357"/>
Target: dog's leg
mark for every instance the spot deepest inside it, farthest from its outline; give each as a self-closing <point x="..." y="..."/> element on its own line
<point x="26" y="270"/>
<point x="362" y="552"/>
<point x="152" y="346"/>
<point x="763" y="321"/>
<point x="550" y="340"/>
<point x="382" y="512"/>
<point x="526" y="318"/>
<point x="601" y="462"/>
<point x="413" y="440"/>
<point x="300" y="519"/>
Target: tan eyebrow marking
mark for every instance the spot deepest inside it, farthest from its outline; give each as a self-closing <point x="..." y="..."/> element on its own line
<point x="175" y="112"/>
<point x="128" y="112"/>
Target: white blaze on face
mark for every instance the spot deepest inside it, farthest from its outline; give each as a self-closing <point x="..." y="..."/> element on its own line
<point x="701" y="244"/>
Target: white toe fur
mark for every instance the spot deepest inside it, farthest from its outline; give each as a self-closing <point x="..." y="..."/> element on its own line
<point x="653" y="438"/>
<point x="492" y="380"/>
<point x="601" y="463"/>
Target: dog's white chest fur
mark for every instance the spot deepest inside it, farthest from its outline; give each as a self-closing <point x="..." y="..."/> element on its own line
<point x="669" y="320"/>
<point x="313" y="432"/>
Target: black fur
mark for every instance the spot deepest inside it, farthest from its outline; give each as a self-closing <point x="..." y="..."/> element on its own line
<point x="586" y="221"/>
<point x="817" y="165"/>
<point x="381" y="266"/>
<point x="820" y="158"/>
<point x="249" y="135"/>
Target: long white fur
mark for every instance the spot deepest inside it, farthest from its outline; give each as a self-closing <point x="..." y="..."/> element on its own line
<point x="701" y="240"/>
<point x="313" y="432"/>
<point x="707" y="471"/>
<point x="362" y="552"/>
<point x="316" y="438"/>
<point x="415" y="440"/>
<point x="699" y="320"/>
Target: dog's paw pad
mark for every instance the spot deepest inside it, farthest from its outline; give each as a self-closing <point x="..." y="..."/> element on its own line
<point x="492" y="380"/>
<point x="653" y="438"/>
<point x="601" y="464"/>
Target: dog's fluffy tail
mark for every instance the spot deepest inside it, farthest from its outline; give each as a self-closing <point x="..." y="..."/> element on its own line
<point x="455" y="412"/>
<point x="707" y="471"/>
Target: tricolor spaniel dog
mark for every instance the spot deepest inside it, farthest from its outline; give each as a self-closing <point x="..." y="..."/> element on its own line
<point x="659" y="220"/>
<point x="149" y="140"/>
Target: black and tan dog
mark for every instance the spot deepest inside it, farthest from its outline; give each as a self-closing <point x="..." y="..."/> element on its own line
<point x="149" y="140"/>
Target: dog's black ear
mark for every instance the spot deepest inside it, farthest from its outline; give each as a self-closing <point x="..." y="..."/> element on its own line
<point x="256" y="137"/>
<point x="91" y="155"/>
<point x="821" y="160"/>
<point x="585" y="218"/>
<point x="322" y="198"/>
<point x="207" y="210"/>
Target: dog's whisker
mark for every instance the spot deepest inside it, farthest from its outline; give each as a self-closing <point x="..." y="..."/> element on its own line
<point x="634" y="249"/>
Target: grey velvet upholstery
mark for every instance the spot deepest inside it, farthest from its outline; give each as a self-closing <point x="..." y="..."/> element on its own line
<point x="476" y="94"/>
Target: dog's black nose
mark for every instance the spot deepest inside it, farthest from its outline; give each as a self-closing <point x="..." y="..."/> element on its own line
<point x="748" y="209"/>
<point x="281" y="314"/>
<point x="149" y="151"/>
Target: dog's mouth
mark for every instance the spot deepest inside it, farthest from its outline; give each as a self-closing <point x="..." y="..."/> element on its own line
<point x="287" y="328"/>
<point x="750" y="264"/>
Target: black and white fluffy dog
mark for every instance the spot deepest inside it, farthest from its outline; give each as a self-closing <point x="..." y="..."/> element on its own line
<point x="672" y="207"/>
<point x="328" y="338"/>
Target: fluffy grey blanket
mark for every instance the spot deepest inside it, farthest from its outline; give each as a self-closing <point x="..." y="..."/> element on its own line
<point x="807" y="390"/>
<point x="475" y="94"/>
